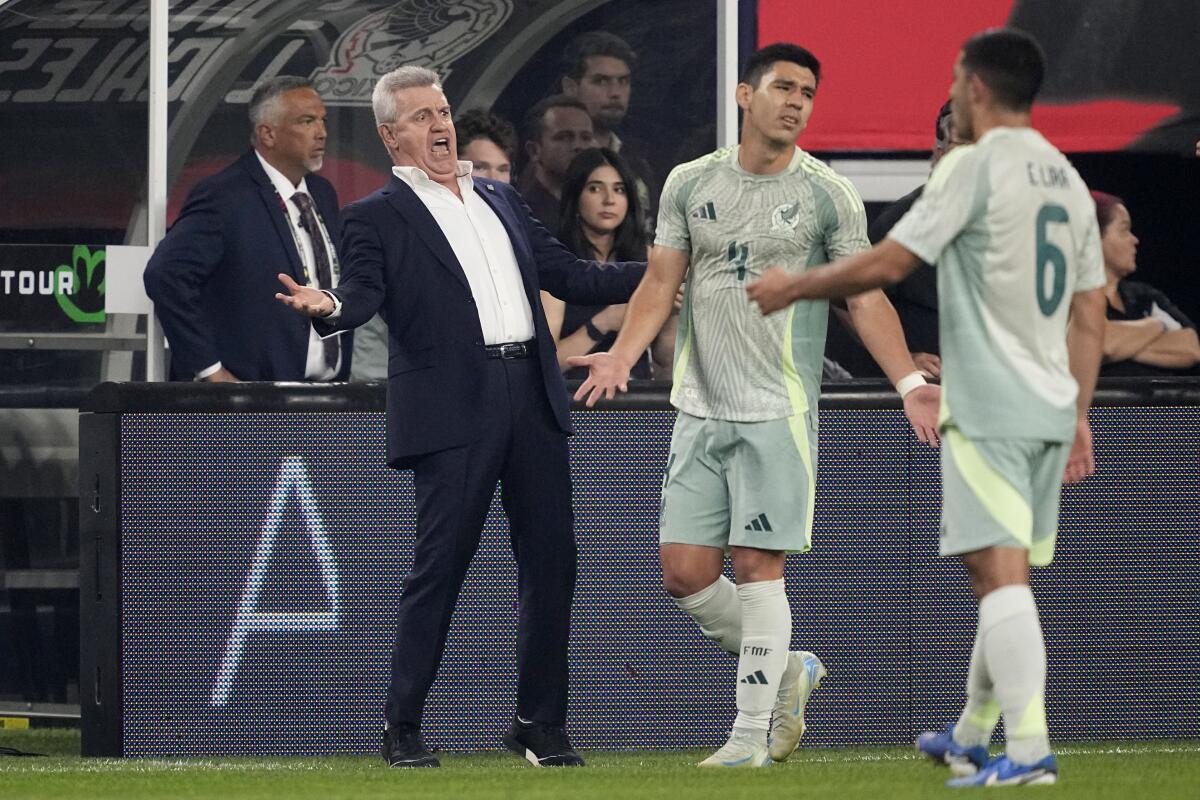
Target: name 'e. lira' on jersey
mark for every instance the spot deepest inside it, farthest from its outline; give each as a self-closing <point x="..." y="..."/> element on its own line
<point x="1012" y="229"/>
<point x="731" y="362"/>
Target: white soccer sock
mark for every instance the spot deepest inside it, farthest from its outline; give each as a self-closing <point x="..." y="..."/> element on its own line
<point x="766" y="634"/>
<point x="1016" y="661"/>
<point x="982" y="712"/>
<point x="718" y="611"/>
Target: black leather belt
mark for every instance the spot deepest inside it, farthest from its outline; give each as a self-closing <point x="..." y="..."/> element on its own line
<point x="511" y="349"/>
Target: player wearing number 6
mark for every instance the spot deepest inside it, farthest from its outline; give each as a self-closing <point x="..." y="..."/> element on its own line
<point x="1020" y="274"/>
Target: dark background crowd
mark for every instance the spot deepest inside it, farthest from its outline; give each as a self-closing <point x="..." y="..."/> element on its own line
<point x="594" y="185"/>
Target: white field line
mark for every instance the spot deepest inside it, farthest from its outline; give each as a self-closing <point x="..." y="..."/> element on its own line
<point x="338" y="763"/>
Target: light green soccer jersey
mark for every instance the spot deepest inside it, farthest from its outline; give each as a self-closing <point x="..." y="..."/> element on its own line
<point x="731" y="362"/>
<point x="1013" y="232"/>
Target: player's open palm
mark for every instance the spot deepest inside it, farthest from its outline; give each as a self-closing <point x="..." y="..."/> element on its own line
<point x="305" y="299"/>
<point x="606" y="374"/>
<point x="921" y="407"/>
<point x="1081" y="462"/>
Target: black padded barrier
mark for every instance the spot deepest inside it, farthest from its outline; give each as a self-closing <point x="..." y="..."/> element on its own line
<point x="244" y="546"/>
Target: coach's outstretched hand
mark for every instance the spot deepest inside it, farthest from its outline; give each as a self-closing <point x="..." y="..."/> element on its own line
<point x="606" y="374"/>
<point x="1081" y="462"/>
<point x="308" y="301"/>
<point x="921" y="407"/>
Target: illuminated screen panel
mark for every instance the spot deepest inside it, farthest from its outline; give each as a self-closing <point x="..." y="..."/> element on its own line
<point x="263" y="555"/>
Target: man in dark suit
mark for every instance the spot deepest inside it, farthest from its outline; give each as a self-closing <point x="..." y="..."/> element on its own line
<point x="212" y="276"/>
<point x="475" y="397"/>
<point x="557" y="128"/>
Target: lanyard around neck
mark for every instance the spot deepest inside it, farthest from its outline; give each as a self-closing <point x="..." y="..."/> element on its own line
<point x="334" y="266"/>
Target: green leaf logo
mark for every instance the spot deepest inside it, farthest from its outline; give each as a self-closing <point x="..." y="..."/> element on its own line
<point x="83" y="266"/>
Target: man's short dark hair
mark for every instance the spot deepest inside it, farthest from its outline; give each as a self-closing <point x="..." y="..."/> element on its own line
<point x="1009" y="62"/>
<point x="941" y="126"/>
<point x="760" y="61"/>
<point x="595" y="43"/>
<point x="480" y="124"/>
<point x="268" y="90"/>
<point x="532" y="127"/>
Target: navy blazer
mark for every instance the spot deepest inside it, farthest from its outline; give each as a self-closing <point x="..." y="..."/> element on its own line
<point x="213" y="277"/>
<point x="398" y="262"/>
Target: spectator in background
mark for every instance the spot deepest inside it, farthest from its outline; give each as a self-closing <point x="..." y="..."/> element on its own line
<point x="557" y="129"/>
<point x="915" y="298"/>
<point x="601" y="220"/>
<point x="212" y="277"/>
<point x="598" y="71"/>
<point x="489" y="142"/>
<point x="1145" y="332"/>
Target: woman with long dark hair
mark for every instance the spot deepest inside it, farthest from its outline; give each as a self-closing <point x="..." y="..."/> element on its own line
<point x="1145" y="333"/>
<point x="601" y="219"/>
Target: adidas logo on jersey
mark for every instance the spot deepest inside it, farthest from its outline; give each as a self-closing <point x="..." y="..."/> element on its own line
<point x="707" y="211"/>
<point x="757" y="679"/>
<point x="760" y="523"/>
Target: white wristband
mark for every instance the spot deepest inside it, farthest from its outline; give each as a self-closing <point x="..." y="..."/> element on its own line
<point x="909" y="382"/>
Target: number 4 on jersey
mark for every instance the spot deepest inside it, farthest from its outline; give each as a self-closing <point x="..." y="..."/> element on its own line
<point x="738" y="255"/>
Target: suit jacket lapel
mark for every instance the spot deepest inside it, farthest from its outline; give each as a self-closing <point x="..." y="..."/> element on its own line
<point x="276" y="211"/>
<point x="405" y="201"/>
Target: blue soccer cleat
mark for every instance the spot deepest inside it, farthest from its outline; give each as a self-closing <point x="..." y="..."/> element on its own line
<point x="1002" y="772"/>
<point x="941" y="748"/>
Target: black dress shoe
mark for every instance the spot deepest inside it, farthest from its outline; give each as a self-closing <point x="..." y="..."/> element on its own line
<point x="541" y="745"/>
<point x="403" y="747"/>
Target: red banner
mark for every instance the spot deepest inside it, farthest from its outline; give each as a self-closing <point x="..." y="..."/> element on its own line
<point x="886" y="69"/>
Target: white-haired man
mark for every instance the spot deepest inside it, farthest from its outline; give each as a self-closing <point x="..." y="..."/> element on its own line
<point x="475" y="398"/>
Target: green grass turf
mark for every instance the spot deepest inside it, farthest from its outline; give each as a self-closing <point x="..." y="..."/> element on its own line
<point x="1125" y="770"/>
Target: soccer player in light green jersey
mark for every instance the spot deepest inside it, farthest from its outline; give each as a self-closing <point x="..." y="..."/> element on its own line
<point x="1013" y="232"/>
<point x="740" y="476"/>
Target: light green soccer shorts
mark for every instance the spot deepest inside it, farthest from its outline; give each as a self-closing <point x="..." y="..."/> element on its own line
<point x="1001" y="493"/>
<point x="740" y="484"/>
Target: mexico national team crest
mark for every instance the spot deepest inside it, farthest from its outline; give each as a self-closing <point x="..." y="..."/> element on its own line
<point x="785" y="218"/>
<point x="426" y="33"/>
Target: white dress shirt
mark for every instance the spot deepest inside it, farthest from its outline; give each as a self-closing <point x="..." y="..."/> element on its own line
<point x="482" y="247"/>
<point x="484" y="250"/>
<point x="315" y="368"/>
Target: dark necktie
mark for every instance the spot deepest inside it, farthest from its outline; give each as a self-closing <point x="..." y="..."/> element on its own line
<point x="309" y="222"/>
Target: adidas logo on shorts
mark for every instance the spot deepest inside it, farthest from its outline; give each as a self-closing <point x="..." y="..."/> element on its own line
<point x="760" y="523"/>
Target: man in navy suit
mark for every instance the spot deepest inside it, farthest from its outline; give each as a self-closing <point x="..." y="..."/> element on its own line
<point x="212" y="276"/>
<point x="475" y="397"/>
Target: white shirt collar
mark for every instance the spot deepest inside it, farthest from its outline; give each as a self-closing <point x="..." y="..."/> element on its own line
<point x="416" y="177"/>
<point x="282" y="185"/>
